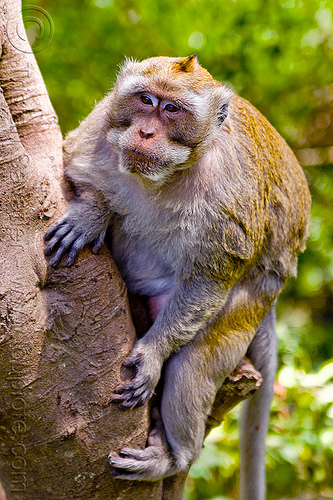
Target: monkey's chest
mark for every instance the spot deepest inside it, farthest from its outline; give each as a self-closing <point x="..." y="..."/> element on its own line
<point x="152" y="242"/>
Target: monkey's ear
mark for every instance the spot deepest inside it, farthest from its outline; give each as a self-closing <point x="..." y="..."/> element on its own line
<point x="187" y="64"/>
<point x="223" y="108"/>
<point x="222" y="113"/>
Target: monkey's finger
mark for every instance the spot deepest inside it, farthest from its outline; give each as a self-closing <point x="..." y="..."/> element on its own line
<point x="113" y="456"/>
<point x="115" y="399"/>
<point x="119" y="473"/>
<point x="140" y="390"/>
<point x="131" y="463"/>
<point x="121" y="464"/>
<point x="128" y="363"/>
<point x="48" y="235"/>
<point x="135" y="384"/>
<point x="97" y="244"/>
<point x="119" y="459"/>
<point x="129" y="402"/>
<point x="125" y="404"/>
<point x="122" y="390"/>
<point x="76" y="247"/>
<point x="132" y="360"/>
<point x="133" y="403"/>
<point x="65" y="244"/>
<point x="133" y="398"/>
<point x="62" y="230"/>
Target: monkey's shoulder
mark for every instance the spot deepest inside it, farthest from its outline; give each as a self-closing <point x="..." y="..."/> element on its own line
<point x="257" y="135"/>
<point x="89" y="138"/>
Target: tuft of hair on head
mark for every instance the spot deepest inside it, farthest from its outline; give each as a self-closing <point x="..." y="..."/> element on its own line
<point x="187" y="64"/>
<point x="127" y="66"/>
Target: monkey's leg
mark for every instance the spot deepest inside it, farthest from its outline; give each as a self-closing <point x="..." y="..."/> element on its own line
<point x="256" y="412"/>
<point x="186" y="401"/>
<point x="189" y="391"/>
<point x="193" y="376"/>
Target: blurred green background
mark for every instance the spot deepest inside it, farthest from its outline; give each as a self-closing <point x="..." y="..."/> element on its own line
<point x="279" y="55"/>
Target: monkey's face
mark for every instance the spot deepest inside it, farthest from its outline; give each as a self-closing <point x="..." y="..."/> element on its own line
<point x="164" y="113"/>
<point x="152" y="141"/>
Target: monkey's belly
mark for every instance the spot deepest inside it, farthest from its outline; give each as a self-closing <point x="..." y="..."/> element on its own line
<point x="143" y="269"/>
<point x="155" y="304"/>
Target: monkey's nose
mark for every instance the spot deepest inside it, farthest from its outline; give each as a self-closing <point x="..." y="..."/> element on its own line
<point x="146" y="134"/>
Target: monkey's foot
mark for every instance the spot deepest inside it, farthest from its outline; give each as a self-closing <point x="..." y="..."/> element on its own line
<point x="151" y="464"/>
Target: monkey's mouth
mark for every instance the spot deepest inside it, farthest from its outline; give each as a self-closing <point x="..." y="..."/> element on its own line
<point x="139" y="162"/>
<point x="138" y="155"/>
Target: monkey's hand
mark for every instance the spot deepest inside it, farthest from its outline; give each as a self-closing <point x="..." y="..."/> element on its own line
<point x="140" y="389"/>
<point x="83" y="223"/>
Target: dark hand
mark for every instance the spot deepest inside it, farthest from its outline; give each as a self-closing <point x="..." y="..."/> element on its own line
<point x="148" y="371"/>
<point x="80" y="225"/>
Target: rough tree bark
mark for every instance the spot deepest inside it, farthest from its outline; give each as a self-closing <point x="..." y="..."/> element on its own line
<point x="63" y="333"/>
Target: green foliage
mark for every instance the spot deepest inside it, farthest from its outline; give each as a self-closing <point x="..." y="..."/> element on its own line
<point x="299" y="444"/>
<point x="276" y="53"/>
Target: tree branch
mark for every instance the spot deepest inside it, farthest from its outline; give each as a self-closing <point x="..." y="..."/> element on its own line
<point x="63" y="333"/>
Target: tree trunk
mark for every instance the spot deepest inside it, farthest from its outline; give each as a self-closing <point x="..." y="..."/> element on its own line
<point x="63" y="333"/>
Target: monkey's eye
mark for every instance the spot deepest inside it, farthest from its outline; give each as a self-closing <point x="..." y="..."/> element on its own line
<point x="146" y="100"/>
<point x="149" y="99"/>
<point x="171" y="108"/>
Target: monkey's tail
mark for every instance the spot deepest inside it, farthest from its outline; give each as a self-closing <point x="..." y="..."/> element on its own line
<point x="256" y="412"/>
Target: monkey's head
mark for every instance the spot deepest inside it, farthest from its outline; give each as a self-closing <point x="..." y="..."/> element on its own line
<point x="165" y="112"/>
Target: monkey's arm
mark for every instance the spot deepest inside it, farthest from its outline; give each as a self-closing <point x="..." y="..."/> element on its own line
<point x="188" y="308"/>
<point x="88" y="159"/>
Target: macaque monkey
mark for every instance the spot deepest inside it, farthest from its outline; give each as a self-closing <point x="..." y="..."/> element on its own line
<point x="208" y="209"/>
